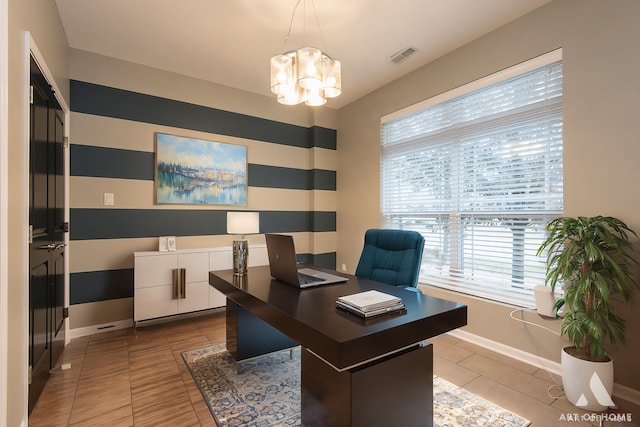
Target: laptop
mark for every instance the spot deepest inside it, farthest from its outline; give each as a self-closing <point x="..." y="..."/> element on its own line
<point x="284" y="267"/>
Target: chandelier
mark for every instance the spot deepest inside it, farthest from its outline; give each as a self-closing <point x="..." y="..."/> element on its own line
<point x="305" y="75"/>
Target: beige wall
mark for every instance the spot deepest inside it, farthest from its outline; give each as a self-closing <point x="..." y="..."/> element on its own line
<point x="96" y="255"/>
<point x="601" y="145"/>
<point x="40" y="18"/>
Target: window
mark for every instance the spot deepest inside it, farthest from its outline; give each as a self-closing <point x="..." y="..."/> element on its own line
<point x="478" y="171"/>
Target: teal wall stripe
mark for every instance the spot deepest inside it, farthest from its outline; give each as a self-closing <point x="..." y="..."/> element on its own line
<point x="92" y="224"/>
<point x="298" y="179"/>
<point x="324" y="138"/>
<point x="321" y="260"/>
<point x="87" y="160"/>
<point x="102" y="285"/>
<point x="324" y="180"/>
<point x="101" y="162"/>
<point x="107" y="101"/>
<point x="296" y="221"/>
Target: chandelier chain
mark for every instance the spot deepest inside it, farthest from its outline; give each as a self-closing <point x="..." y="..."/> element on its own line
<point x="304" y="21"/>
<point x="315" y="12"/>
<point x="293" y="16"/>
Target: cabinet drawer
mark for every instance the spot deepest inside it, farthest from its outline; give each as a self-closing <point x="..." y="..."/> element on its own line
<point x="216" y="298"/>
<point x="154" y="270"/>
<point x="221" y="260"/>
<point x="152" y="302"/>
<point x="197" y="297"/>
<point x="196" y="265"/>
<point x="258" y="256"/>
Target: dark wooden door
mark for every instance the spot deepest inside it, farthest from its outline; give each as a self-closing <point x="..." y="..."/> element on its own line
<point x="47" y="229"/>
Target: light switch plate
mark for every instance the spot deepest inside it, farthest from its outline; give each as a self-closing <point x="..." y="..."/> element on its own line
<point x="108" y="199"/>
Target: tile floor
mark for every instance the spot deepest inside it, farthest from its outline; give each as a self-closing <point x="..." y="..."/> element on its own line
<point x="137" y="377"/>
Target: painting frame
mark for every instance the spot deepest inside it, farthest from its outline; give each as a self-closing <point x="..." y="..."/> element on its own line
<point x="195" y="171"/>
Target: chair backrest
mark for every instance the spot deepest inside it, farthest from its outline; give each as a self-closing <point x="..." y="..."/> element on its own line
<point x="391" y="256"/>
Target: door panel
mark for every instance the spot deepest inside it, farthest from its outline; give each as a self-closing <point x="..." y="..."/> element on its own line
<point x="47" y="222"/>
<point x="40" y="351"/>
<point x="39" y="158"/>
<point x="55" y="176"/>
<point x="57" y="308"/>
<point x="56" y="172"/>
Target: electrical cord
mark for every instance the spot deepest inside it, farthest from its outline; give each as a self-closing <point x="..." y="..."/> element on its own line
<point x="530" y="323"/>
<point x="537" y="354"/>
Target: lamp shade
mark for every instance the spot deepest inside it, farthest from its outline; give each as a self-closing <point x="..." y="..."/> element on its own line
<point x="243" y="222"/>
<point x="283" y="80"/>
<point x="309" y="60"/>
<point x="332" y="80"/>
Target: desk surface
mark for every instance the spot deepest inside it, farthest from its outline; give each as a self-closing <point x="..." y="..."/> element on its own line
<point x="309" y="316"/>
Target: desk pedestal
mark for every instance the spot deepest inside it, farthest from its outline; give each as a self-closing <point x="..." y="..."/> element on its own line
<point x="393" y="391"/>
<point x="248" y="336"/>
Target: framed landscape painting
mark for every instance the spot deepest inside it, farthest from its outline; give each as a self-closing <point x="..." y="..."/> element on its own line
<point x="196" y="171"/>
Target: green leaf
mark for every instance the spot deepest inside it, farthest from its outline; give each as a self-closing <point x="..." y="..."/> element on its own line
<point x="590" y="257"/>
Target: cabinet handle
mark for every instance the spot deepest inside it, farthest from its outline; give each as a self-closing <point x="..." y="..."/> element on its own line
<point x="183" y="283"/>
<point x="176" y="283"/>
<point x="179" y="283"/>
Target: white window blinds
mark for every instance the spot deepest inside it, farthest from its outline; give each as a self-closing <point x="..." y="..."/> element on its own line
<point x="479" y="175"/>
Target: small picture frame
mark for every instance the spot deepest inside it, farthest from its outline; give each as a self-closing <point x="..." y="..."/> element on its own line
<point x="171" y="243"/>
<point x="163" y="245"/>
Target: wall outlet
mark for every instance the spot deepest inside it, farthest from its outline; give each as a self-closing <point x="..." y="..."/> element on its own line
<point x="108" y="199"/>
<point x="344" y="267"/>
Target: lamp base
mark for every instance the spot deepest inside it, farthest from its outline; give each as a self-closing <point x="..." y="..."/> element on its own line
<point x="240" y="257"/>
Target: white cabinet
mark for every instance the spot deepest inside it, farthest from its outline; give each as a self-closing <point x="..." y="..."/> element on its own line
<point x="168" y="283"/>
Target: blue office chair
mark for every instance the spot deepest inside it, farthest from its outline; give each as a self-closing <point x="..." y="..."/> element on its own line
<point x="392" y="257"/>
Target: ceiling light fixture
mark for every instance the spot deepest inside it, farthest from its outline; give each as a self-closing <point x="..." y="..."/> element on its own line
<point x="306" y="74"/>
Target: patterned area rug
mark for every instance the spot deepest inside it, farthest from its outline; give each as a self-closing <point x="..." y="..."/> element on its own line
<point x="265" y="391"/>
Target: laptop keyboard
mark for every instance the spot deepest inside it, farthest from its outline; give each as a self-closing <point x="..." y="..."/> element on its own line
<point x="306" y="279"/>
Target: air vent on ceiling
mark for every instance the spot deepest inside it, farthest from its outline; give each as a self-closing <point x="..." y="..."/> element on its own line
<point x="400" y="56"/>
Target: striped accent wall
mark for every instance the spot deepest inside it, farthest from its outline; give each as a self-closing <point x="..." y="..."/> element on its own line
<point x="291" y="182"/>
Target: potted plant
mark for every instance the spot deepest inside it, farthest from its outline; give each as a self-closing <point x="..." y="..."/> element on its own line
<point x="591" y="257"/>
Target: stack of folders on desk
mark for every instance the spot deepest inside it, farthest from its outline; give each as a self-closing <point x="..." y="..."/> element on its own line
<point x="370" y="303"/>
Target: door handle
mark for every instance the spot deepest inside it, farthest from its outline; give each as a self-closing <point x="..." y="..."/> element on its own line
<point x="53" y="247"/>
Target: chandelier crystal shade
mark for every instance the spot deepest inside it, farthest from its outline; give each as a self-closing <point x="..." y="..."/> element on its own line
<point x="305" y="75"/>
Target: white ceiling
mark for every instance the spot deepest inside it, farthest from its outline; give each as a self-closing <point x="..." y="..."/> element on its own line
<point x="230" y="42"/>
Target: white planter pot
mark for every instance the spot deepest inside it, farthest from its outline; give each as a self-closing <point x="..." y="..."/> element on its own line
<point x="587" y="385"/>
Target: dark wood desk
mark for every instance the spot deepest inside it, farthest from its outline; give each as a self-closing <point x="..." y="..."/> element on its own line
<point x="355" y="372"/>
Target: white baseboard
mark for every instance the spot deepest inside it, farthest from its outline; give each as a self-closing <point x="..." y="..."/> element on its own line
<point x="96" y="329"/>
<point x="129" y="323"/>
<point x="512" y="352"/>
<point x="620" y="391"/>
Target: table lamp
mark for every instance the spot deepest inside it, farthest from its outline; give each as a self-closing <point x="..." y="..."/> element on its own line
<point x="242" y="223"/>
